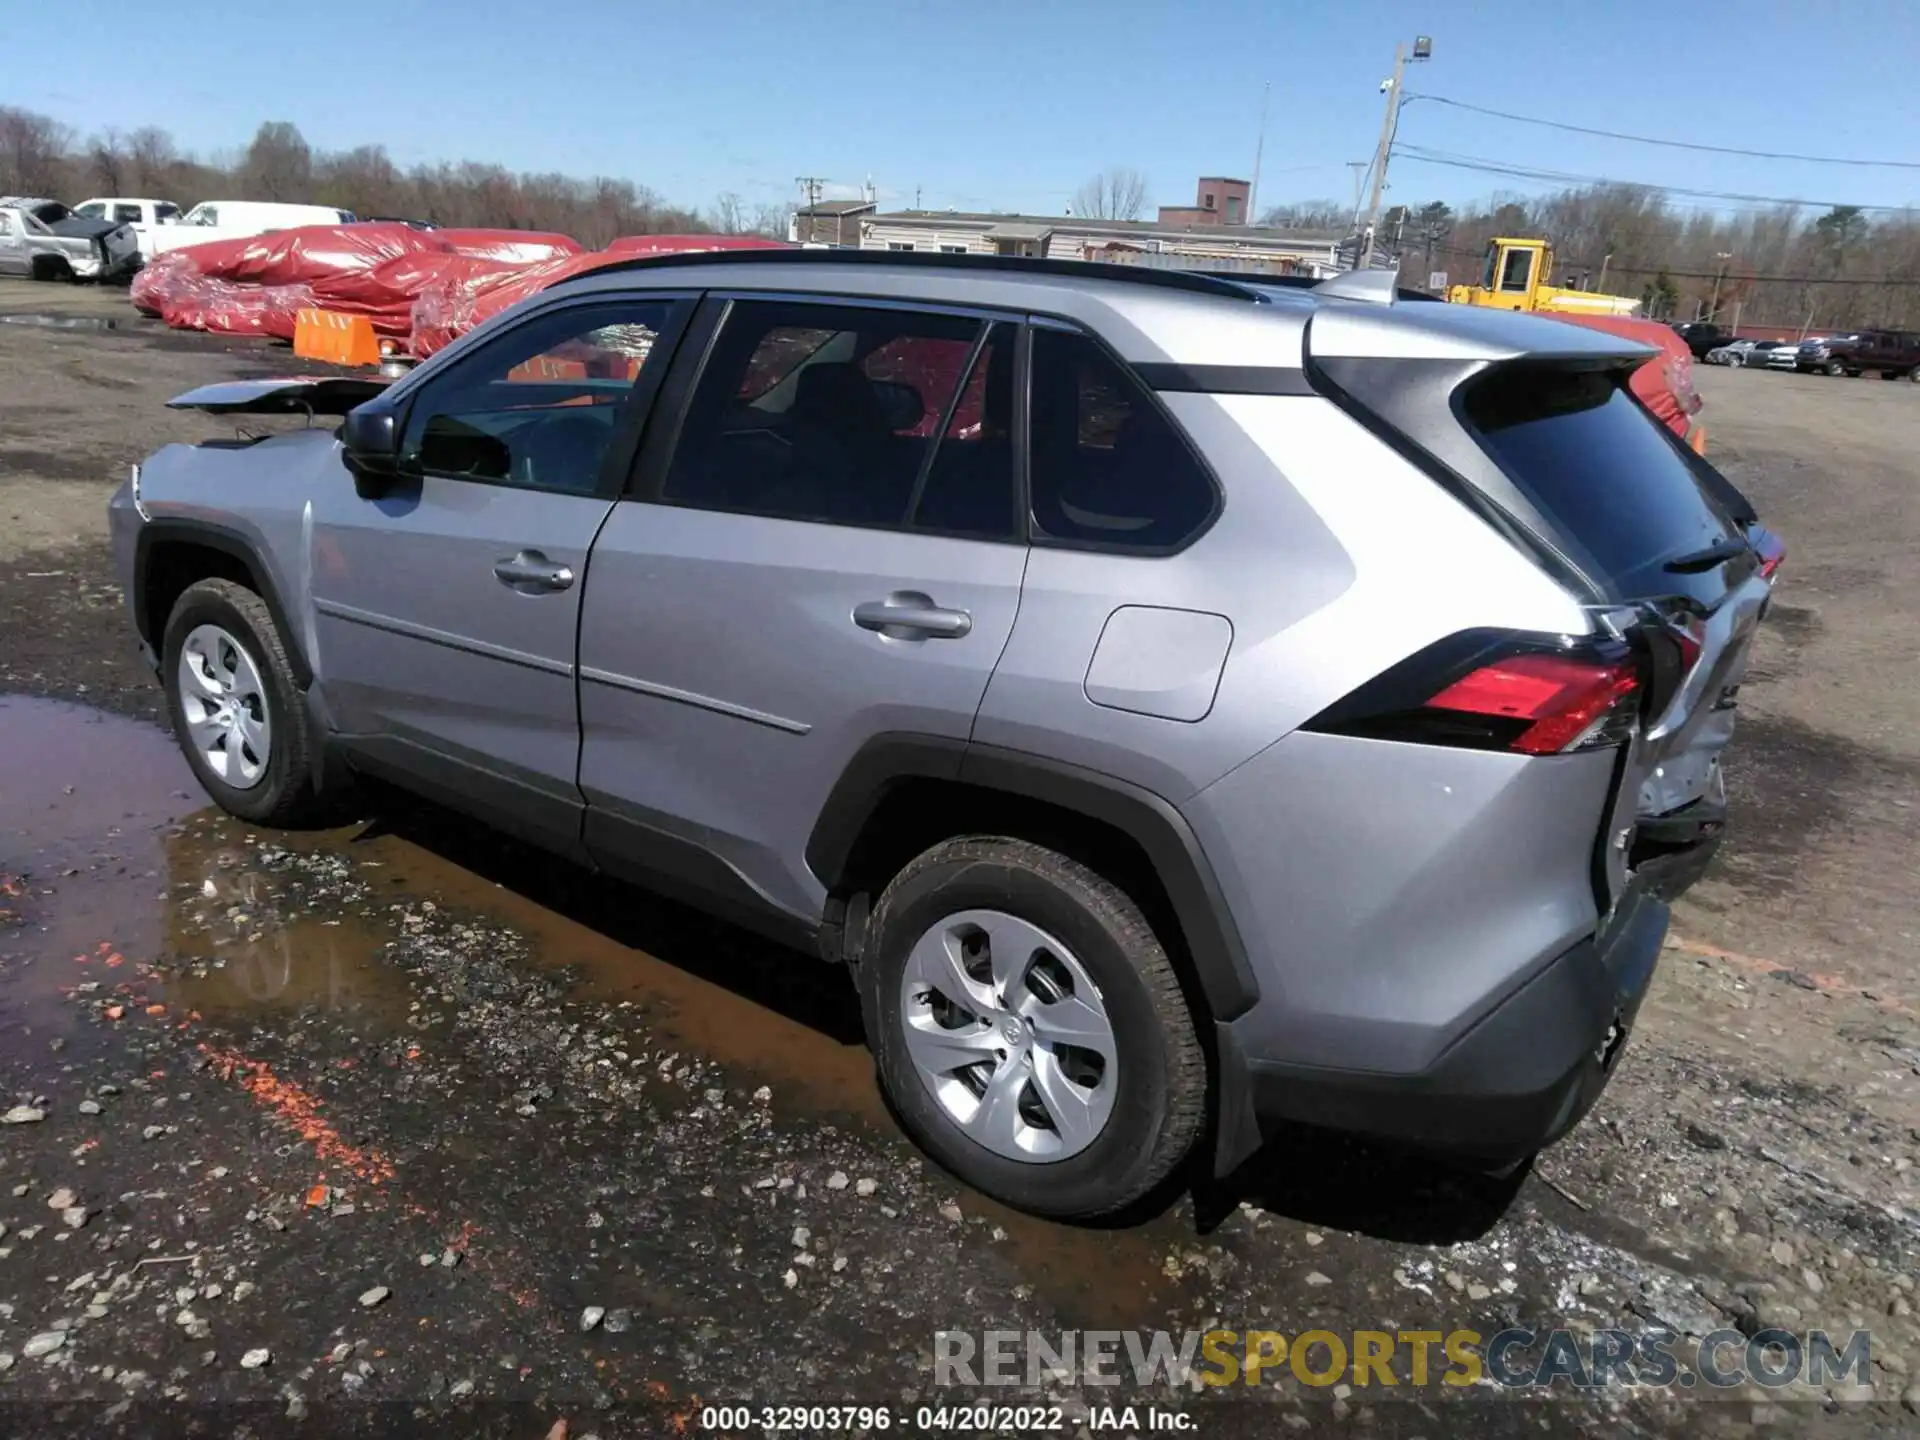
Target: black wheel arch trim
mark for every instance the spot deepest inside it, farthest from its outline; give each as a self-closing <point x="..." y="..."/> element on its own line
<point x="228" y="542"/>
<point x="1213" y="942"/>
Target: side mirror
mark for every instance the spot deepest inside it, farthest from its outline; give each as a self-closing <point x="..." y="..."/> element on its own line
<point x="371" y="444"/>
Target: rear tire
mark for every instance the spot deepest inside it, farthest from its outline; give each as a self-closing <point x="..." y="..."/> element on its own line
<point x="993" y="947"/>
<point x="1834" y="367"/>
<point x="236" y="708"/>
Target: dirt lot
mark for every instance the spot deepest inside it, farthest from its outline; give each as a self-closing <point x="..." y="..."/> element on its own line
<point x="450" y="1131"/>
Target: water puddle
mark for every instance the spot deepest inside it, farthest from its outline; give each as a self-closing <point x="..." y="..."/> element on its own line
<point x="62" y="322"/>
<point x="126" y="865"/>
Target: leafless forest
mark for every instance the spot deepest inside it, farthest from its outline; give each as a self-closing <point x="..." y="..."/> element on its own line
<point x="1789" y="266"/>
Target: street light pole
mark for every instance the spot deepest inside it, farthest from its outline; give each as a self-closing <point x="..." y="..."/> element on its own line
<point x="1422" y="49"/>
<point x="1713" y="310"/>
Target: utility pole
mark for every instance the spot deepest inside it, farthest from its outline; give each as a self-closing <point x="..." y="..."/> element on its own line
<point x="1713" y="310"/>
<point x="810" y="186"/>
<point x="1259" y="147"/>
<point x="1422" y="50"/>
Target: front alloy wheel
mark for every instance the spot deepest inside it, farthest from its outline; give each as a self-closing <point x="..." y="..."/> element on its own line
<point x="224" y="703"/>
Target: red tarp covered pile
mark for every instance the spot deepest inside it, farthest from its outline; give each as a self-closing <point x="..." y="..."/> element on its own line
<point x="424" y="288"/>
<point x="1664" y="385"/>
<point x="459" y="297"/>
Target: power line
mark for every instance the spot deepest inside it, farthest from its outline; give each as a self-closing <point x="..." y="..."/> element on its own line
<point x="1669" y="144"/>
<point x="1561" y="177"/>
<point x="1642" y="267"/>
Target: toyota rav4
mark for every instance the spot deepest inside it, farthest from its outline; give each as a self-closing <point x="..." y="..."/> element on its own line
<point x="1184" y="703"/>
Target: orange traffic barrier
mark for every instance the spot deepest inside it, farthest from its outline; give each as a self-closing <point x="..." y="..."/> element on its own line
<point x="1698" y="440"/>
<point x="335" y="338"/>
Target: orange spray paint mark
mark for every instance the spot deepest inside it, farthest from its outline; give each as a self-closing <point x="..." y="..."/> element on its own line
<point x="300" y="1111"/>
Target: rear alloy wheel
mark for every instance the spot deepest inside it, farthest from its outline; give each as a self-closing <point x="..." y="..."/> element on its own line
<point x="1029" y="1028"/>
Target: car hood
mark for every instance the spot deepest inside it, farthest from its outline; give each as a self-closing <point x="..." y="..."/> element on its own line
<point x="81" y="227"/>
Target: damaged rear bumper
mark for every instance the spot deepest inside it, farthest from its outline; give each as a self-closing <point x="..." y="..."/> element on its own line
<point x="1515" y="1081"/>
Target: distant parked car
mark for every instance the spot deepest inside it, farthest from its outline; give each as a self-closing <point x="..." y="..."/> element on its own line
<point x="1891" y="352"/>
<point x="44" y="239"/>
<point x="1742" y="352"/>
<point x="400" y="220"/>
<point x="1702" y="336"/>
<point x="144" y="216"/>
<point x="1786" y="354"/>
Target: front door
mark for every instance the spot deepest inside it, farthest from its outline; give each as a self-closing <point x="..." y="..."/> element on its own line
<point x="447" y="611"/>
<point x="830" y="552"/>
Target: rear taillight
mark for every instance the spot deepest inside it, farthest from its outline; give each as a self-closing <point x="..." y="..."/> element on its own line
<point x="1564" y="702"/>
<point x="1494" y="690"/>
<point x="1771" y="549"/>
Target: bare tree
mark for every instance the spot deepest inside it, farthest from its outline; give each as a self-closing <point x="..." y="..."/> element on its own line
<point x="279" y="163"/>
<point x="33" y="153"/>
<point x="109" y="166"/>
<point x="151" y="159"/>
<point x="1309" y="215"/>
<point x="773" y="221"/>
<point x="729" y="213"/>
<point x="1117" y="194"/>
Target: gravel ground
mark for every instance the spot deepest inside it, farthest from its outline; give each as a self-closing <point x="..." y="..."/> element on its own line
<point x="403" y="1126"/>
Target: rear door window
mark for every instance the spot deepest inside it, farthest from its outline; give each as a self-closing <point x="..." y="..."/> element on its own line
<point x="1107" y="466"/>
<point x="1607" y="475"/>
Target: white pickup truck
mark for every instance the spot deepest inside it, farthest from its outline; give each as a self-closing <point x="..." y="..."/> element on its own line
<point x="236" y="220"/>
<point x="140" y="215"/>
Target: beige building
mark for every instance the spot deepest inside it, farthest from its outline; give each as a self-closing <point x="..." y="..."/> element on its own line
<point x="1134" y="242"/>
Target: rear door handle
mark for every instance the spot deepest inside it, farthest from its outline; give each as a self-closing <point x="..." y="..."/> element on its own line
<point x="907" y="615"/>
<point x="531" y="573"/>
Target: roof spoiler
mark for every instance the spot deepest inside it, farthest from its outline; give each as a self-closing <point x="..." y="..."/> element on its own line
<point x="291" y="395"/>
<point x="1374" y="287"/>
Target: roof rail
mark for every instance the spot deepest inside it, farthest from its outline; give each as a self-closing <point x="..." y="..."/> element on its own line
<point x="1096" y="270"/>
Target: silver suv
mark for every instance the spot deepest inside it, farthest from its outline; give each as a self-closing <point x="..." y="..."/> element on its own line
<point x="1182" y="702"/>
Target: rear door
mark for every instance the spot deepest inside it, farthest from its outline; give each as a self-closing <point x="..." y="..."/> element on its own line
<point x="447" y="611"/>
<point x="826" y="551"/>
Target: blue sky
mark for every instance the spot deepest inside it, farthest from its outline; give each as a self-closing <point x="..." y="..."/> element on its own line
<point x="994" y="104"/>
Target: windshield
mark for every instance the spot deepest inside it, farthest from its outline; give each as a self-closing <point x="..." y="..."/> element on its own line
<point x="51" y="213"/>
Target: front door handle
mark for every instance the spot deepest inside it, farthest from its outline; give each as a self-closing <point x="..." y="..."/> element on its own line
<point x="531" y="573"/>
<point x="909" y="615"/>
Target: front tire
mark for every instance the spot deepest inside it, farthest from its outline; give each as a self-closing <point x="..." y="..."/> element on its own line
<point x="1834" y="367"/>
<point x="235" y="706"/>
<point x="1029" y="1029"/>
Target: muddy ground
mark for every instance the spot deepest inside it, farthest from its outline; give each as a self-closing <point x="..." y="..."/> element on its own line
<point x="467" y="1142"/>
